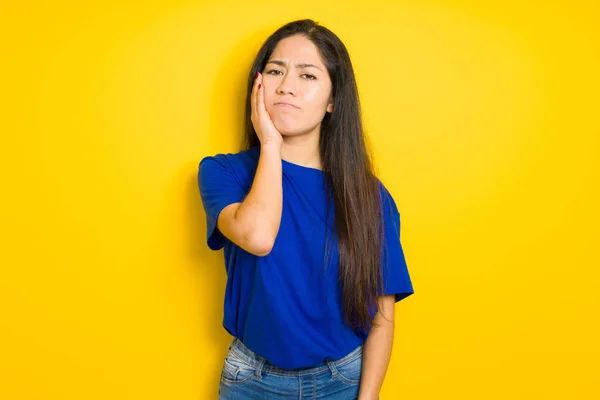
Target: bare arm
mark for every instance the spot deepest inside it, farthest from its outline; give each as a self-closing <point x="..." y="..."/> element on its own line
<point x="253" y="224"/>
<point x="377" y="350"/>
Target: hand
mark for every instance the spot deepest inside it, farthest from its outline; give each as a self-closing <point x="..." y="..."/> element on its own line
<point x="365" y="397"/>
<point x="263" y="125"/>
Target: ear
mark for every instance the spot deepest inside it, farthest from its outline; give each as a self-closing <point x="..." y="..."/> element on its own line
<point x="329" y="108"/>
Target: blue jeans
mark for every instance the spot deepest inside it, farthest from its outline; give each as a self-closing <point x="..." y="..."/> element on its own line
<point x="248" y="376"/>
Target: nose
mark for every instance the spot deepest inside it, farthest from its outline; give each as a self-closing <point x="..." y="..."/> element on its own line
<point x="286" y="85"/>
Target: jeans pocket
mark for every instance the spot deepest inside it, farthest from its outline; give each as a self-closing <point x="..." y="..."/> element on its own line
<point x="236" y="370"/>
<point x="350" y="371"/>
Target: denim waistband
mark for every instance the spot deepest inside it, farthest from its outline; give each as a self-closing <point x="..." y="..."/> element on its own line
<point x="262" y="364"/>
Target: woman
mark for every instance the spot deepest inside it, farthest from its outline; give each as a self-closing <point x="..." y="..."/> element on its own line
<point x="310" y="235"/>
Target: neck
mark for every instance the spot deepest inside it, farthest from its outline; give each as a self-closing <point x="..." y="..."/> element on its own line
<point x="302" y="150"/>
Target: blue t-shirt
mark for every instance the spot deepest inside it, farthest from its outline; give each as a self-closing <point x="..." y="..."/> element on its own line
<point x="287" y="305"/>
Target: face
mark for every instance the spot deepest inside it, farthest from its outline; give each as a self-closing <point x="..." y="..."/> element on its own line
<point x="296" y="75"/>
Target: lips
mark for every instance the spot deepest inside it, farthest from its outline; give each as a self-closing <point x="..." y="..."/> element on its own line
<point x="286" y="105"/>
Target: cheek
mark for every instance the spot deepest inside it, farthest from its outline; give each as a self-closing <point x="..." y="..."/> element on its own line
<point x="312" y="95"/>
<point x="267" y="95"/>
<point x="317" y="96"/>
<point x="268" y="99"/>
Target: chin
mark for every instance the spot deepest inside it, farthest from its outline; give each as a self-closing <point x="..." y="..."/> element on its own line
<point x="287" y="133"/>
<point x="286" y="130"/>
<point x="289" y="127"/>
<point x="292" y="132"/>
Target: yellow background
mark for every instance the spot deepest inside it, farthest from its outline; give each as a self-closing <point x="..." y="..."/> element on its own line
<point x="484" y="121"/>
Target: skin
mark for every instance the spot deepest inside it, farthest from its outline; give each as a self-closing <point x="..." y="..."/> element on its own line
<point x="307" y="87"/>
<point x="294" y="134"/>
<point x="377" y="350"/>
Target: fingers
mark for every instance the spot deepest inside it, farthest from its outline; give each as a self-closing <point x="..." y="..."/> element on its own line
<point x="254" y="97"/>
<point x="260" y="101"/>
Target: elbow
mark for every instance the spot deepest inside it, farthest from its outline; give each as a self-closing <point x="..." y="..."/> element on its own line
<point x="260" y="244"/>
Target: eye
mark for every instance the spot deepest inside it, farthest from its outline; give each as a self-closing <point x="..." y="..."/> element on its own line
<point x="277" y="72"/>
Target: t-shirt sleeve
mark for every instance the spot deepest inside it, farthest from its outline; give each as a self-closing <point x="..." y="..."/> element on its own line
<point x="219" y="187"/>
<point x="396" y="278"/>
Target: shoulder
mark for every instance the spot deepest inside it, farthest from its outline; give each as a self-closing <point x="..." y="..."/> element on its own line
<point x="241" y="165"/>
<point x="387" y="200"/>
<point x="241" y="159"/>
<point x="228" y="170"/>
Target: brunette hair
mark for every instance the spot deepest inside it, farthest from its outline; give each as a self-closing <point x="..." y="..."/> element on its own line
<point x="348" y="170"/>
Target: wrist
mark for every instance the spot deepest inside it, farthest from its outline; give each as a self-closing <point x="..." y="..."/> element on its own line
<point x="271" y="148"/>
<point x="368" y="395"/>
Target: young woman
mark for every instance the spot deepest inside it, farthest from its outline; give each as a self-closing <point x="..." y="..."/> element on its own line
<point x="311" y="237"/>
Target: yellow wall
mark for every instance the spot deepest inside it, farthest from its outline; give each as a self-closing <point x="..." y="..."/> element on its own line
<point x="484" y="121"/>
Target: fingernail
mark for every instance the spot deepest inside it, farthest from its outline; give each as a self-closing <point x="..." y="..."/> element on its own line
<point x="259" y="85"/>
<point x="256" y="76"/>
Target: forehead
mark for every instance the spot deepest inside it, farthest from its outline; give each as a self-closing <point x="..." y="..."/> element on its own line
<point x="297" y="49"/>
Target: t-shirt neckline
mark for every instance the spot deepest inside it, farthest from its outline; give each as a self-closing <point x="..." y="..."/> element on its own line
<point x="291" y="166"/>
<point x="300" y="167"/>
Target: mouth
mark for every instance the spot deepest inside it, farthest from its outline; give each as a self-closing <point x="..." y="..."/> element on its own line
<point x="286" y="105"/>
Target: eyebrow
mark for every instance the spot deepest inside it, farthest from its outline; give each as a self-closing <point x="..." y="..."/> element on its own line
<point x="301" y="65"/>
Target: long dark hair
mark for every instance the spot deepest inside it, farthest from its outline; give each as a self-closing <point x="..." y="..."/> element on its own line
<point x="348" y="169"/>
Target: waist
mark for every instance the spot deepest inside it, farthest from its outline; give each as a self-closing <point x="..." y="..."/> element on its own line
<point x="251" y="357"/>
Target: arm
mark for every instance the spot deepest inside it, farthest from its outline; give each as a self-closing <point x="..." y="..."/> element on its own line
<point x="253" y="224"/>
<point x="377" y="350"/>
